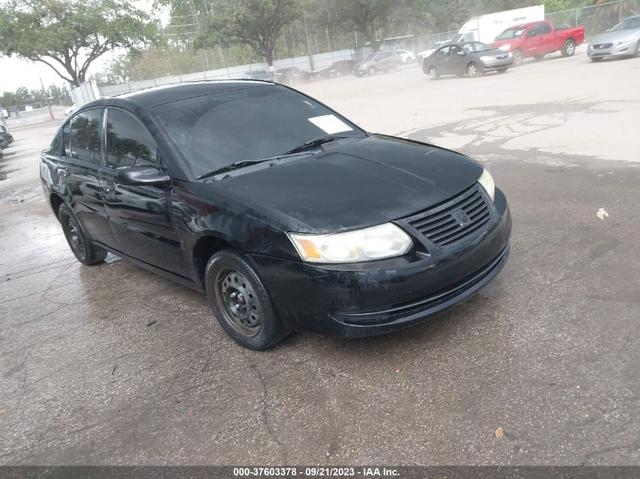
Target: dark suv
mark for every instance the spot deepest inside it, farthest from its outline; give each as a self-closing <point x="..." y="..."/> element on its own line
<point x="285" y="213"/>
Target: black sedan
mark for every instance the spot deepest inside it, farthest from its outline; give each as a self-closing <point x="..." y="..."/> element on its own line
<point x="471" y="58"/>
<point x="286" y="214"/>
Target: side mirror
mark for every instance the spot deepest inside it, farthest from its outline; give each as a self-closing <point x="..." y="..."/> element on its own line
<point x="142" y="175"/>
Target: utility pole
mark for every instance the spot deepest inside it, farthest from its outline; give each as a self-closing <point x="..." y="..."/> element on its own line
<point x="44" y="92"/>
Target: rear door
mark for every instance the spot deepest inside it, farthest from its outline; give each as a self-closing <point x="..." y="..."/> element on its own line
<point x="547" y="38"/>
<point x="140" y="215"/>
<point x="531" y="42"/>
<point x="78" y="170"/>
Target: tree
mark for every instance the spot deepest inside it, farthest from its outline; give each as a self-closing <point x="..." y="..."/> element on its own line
<point x="257" y="23"/>
<point x="69" y="35"/>
<point x="371" y="18"/>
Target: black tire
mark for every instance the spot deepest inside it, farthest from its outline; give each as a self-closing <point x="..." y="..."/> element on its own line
<point x="81" y="245"/>
<point x="569" y="48"/>
<point x="517" y="57"/>
<point x="433" y="73"/>
<point x="241" y="303"/>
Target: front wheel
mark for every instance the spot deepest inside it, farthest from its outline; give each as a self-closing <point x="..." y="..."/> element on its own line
<point x="372" y="71"/>
<point x="79" y="242"/>
<point x="240" y="302"/>
<point x="433" y="73"/>
<point x="473" y="70"/>
<point x="569" y="48"/>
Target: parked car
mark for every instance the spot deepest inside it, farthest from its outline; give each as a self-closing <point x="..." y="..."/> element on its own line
<point x="286" y="214"/>
<point x="291" y="75"/>
<point x="6" y="138"/>
<point x="336" y="69"/>
<point x="377" y="62"/>
<point x="406" y="56"/>
<point x="622" y="40"/>
<point x="537" y="39"/>
<point x="472" y="58"/>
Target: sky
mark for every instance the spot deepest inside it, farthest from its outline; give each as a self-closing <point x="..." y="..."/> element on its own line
<point x="16" y="72"/>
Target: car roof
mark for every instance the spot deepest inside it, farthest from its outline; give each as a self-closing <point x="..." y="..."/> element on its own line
<point x="155" y="96"/>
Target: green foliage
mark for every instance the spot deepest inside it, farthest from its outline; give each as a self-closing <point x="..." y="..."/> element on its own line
<point x="69" y="35"/>
<point x="24" y="96"/>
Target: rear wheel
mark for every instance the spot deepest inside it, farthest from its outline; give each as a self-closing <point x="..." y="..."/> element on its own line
<point x="372" y="71"/>
<point x="79" y="242"/>
<point x="433" y="73"/>
<point x="473" y="70"/>
<point x="517" y="57"/>
<point x="240" y="302"/>
<point x="569" y="48"/>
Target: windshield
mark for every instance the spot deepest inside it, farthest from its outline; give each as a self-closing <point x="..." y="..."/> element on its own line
<point x="246" y="125"/>
<point x="475" y="47"/>
<point x="510" y="33"/>
<point x="627" y="24"/>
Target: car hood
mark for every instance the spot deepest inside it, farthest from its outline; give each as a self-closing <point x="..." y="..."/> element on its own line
<point x="612" y="37"/>
<point x="495" y="53"/>
<point x="352" y="184"/>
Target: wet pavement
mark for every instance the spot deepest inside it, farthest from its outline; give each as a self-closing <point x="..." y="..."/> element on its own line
<point x="114" y="365"/>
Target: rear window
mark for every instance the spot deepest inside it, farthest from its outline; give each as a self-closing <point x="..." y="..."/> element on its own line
<point x="248" y="124"/>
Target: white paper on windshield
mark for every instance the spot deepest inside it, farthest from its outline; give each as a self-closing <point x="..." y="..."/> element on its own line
<point x="330" y="124"/>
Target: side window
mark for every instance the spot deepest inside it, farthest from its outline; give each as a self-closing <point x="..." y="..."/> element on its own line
<point x="128" y="141"/>
<point x="544" y="28"/>
<point x="82" y="138"/>
<point x="443" y="51"/>
<point x="533" y="32"/>
<point x="454" y="50"/>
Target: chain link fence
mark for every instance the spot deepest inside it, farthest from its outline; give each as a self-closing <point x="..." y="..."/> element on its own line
<point x="595" y="18"/>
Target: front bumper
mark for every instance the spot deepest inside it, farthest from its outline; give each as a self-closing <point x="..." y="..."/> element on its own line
<point x="612" y="51"/>
<point x="382" y="296"/>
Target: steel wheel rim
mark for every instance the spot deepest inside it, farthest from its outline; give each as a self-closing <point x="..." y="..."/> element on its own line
<point x="238" y="301"/>
<point x="571" y="48"/>
<point x="73" y="237"/>
<point x="433" y="73"/>
<point x="472" y="70"/>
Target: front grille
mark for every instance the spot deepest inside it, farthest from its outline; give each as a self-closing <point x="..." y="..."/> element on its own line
<point x="458" y="218"/>
<point x="602" y="46"/>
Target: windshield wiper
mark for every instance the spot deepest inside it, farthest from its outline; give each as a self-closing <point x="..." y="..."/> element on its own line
<point x="308" y="145"/>
<point x="232" y="166"/>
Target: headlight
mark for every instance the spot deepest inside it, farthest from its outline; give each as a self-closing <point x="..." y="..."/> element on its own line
<point x="506" y="47"/>
<point x="486" y="180"/>
<point x="369" y="244"/>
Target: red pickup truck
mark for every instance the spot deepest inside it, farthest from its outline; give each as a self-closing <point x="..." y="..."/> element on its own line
<point x="537" y="39"/>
